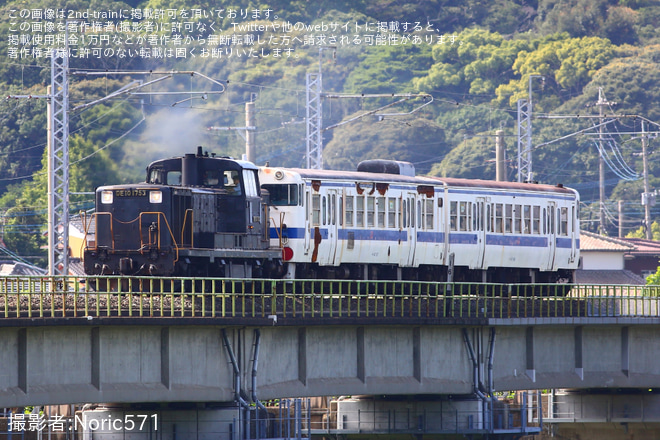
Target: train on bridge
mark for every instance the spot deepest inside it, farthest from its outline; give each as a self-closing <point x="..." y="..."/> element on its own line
<point x="203" y="215"/>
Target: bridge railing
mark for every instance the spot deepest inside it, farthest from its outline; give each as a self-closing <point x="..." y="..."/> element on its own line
<point x="44" y="297"/>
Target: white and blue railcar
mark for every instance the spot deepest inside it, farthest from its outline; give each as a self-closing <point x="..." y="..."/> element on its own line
<point x="383" y="222"/>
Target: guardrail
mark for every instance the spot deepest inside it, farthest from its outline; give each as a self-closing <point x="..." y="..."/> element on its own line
<point x="44" y="297"/>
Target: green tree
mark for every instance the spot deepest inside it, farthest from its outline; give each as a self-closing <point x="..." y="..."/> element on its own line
<point x="476" y="63"/>
<point x="578" y="18"/>
<point x="641" y="233"/>
<point x="408" y="139"/>
<point x="472" y="159"/>
<point x="565" y="63"/>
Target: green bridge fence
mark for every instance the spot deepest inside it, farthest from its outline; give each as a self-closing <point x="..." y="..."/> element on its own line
<point x="60" y="296"/>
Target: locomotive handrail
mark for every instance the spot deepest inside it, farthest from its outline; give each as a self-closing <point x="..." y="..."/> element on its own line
<point x="158" y="216"/>
<point x="278" y="231"/>
<point x="87" y="225"/>
<point x="192" y="229"/>
<point x="291" y="301"/>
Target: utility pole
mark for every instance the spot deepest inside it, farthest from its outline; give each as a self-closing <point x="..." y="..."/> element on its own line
<point x="601" y="161"/>
<point x="500" y="157"/>
<point x="250" y="132"/>
<point x="648" y="199"/>
<point x="250" y="135"/>
<point x="620" y="218"/>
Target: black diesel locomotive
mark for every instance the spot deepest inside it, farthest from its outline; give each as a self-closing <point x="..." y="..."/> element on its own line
<point x="196" y="215"/>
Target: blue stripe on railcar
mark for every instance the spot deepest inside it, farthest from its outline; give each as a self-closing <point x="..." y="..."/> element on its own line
<point x="373" y="234"/>
<point x="433" y="237"/>
<point x="462" y="238"/>
<point x="516" y="240"/>
<point x="430" y="237"/>
<point x="290" y="232"/>
<point x="565" y="243"/>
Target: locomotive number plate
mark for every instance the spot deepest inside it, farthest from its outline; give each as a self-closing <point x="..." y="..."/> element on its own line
<point x="131" y="192"/>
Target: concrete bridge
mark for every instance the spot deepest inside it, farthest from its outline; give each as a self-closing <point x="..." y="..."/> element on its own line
<point x="113" y="359"/>
<point x="222" y="340"/>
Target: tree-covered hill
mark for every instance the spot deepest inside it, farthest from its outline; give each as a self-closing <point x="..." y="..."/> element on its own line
<point x="473" y="57"/>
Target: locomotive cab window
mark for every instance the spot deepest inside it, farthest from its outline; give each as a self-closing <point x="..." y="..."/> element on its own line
<point x="283" y="195"/>
<point x="159" y="176"/>
<point x="173" y="178"/>
<point x="211" y="178"/>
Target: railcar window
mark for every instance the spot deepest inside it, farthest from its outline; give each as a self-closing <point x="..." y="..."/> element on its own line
<point x="282" y="195"/>
<point x="429" y="214"/>
<point x="499" y="218"/>
<point x="551" y="215"/>
<point x="489" y="220"/>
<point x="316" y="210"/>
<point x="349" y="210"/>
<point x="536" y="220"/>
<point x="527" y="219"/>
<point x="359" y="211"/>
<point x="370" y="211"/>
<point x="419" y="214"/>
<point x="404" y="210"/>
<point x="517" y="216"/>
<point x="474" y="217"/>
<point x="333" y="208"/>
<point x="324" y="210"/>
<point x="564" y="222"/>
<point x="508" y="217"/>
<point x="341" y="211"/>
<point x="391" y="212"/>
<point x="453" y="215"/>
<point x="381" y="211"/>
<point x="572" y="222"/>
<point x="463" y="216"/>
<point x="545" y="222"/>
<point x="411" y="213"/>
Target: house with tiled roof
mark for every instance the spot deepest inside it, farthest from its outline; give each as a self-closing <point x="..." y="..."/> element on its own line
<point x="603" y="261"/>
<point x="644" y="259"/>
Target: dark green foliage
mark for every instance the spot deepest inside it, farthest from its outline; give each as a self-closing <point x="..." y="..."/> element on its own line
<point x="476" y="82"/>
<point x="409" y="139"/>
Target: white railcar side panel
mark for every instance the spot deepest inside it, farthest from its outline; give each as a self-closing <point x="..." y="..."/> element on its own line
<point x="344" y="220"/>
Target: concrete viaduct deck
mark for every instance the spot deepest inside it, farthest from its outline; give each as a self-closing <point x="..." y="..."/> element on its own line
<point x="92" y="357"/>
<point x="95" y="362"/>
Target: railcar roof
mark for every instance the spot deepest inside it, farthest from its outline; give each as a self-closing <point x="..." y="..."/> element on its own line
<point x="427" y="180"/>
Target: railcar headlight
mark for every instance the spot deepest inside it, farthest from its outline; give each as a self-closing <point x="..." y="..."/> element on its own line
<point x="106" y="197"/>
<point x="155" y="197"/>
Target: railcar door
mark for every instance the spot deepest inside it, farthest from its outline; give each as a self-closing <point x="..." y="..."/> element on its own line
<point x="333" y="221"/>
<point x="479" y="227"/>
<point x="309" y="209"/>
<point x="550" y="231"/>
<point x="409" y="225"/>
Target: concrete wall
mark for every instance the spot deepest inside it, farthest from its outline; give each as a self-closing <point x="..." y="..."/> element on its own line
<point x="94" y="364"/>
